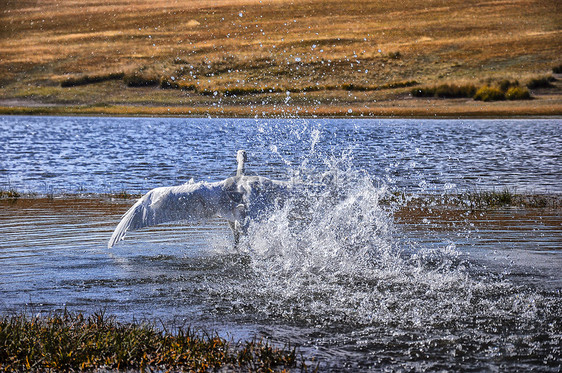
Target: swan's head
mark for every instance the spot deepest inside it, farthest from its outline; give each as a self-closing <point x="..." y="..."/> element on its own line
<point x="241" y="156"/>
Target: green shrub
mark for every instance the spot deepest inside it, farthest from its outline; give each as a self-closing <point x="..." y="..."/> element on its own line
<point x="488" y="93"/>
<point x="518" y="93"/>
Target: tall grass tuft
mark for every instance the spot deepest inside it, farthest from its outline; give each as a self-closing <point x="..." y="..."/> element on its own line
<point x="486" y="199"/>
<point x="123" y="194"/>
<point x="74" y="342"/>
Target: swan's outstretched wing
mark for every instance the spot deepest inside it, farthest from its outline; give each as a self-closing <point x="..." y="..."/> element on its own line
<point x="191" y="202"/>
<point x="239" y="199"/>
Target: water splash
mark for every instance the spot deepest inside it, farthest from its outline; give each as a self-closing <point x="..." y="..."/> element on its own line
<point x="332" y="256"/>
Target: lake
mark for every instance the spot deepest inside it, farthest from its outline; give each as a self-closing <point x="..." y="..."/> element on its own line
<point x="68" y="154"/>
<point x="357" y="282"/>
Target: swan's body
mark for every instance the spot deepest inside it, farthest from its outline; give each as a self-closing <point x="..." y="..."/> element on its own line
<point x="238" y="200"/>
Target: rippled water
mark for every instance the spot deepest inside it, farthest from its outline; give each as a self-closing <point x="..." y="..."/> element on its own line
<point x="68" y="154"/>
<point x="356" y="282"/>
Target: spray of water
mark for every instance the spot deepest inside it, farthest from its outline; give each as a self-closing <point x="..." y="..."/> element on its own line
<point x="331" y="255"/>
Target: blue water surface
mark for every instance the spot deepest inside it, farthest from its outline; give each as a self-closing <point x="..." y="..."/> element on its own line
<point x="97" y="154"/>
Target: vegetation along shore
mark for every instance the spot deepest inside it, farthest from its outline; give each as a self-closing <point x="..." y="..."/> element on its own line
<point x="281" y="58"/>
<point x="74" y="342"/>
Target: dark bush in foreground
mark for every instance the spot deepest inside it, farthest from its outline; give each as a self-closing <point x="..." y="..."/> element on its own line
<point x="488" y="93"/>
<point x="557" y="69"/>
<point x="72" y="342"/>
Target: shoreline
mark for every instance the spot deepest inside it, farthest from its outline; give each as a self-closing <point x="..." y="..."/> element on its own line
<point x="475" y="200"/>
<point x="290" y="113"/>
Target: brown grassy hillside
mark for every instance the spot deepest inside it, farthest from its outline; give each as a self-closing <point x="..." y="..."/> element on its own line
<point x="235" y="57"/>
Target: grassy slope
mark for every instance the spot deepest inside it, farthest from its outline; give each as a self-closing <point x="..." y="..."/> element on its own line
<point x="241" y="46"/>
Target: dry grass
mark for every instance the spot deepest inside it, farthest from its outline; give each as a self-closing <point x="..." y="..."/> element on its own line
<point x="250" y="53"/>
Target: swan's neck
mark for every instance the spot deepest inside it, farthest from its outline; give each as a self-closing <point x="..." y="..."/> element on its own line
<point x="241" y="158"/>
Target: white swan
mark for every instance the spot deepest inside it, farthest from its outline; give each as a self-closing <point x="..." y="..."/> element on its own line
<point x="238" y="199"/>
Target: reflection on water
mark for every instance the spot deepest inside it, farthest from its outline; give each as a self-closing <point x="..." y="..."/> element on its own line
<point x="356" y="282"/>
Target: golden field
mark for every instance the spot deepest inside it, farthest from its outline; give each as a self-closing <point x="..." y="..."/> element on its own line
<point x="275" y="57"/>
